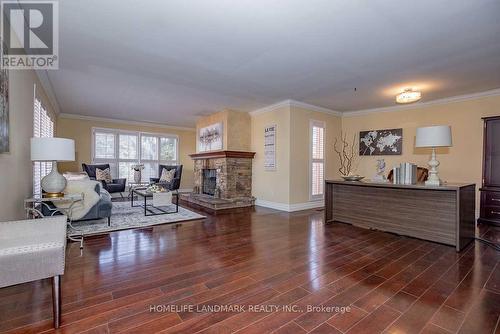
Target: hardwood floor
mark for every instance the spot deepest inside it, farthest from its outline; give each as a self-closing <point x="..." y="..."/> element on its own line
<point x="333" y="279"/>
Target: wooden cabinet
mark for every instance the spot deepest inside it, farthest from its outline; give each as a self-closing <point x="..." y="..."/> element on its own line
<point x="490" y="190"/>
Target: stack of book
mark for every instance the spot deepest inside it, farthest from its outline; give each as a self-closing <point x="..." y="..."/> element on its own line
<point x="405" y="173"/>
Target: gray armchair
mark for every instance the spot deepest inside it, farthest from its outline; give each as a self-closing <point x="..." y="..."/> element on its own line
<point x="175" y="183"/>
<point x="117" y="186"/>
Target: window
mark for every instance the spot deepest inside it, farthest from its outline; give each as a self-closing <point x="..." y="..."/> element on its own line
<point x="43" y="126"/>
<point x="317" y="133"/>
<point x="123" y="149"/>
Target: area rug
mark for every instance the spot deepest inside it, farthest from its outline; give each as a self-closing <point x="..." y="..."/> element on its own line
<point x="126" y="217"/>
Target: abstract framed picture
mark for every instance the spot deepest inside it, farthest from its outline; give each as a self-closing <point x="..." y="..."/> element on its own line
<point x="4" y="111"/>
<point x="210" y="138"/>
<point x="381" y="142"/>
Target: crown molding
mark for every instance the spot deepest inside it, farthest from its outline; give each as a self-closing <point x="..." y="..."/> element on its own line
<point x="270" y="108"/>
<point x="308" y="106"/>
<point x="452" y="99"/>
<point x="296" y="104"/>
<point x="122" y="121"/>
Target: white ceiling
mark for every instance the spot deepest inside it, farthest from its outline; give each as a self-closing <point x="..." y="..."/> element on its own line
<point x="171" y="61"/>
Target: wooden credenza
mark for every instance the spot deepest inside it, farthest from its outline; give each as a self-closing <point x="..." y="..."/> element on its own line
<point x="444" y="214"/>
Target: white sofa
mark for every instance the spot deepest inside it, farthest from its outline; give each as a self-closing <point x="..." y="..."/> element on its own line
<point x="31" y="250"/>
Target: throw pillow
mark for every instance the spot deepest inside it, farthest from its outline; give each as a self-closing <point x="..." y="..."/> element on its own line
<point x="103" y="175"/>
<point x="167" y="175"/>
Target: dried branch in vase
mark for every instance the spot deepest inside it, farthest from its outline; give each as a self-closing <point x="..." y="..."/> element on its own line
<point x="346" y="153"/>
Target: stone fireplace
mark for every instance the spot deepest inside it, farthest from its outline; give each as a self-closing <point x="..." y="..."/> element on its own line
<point x="222" y="180"/>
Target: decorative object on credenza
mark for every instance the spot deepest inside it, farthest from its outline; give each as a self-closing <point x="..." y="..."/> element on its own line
<point x="381" y="142"/>
<point x="433" y="136"/>
<point x="4" y="111"/>
<point x="408" y="96"/>
<point x="210" y="138"/>
<point x="53" y="149"/>
<point x="137" y="172"/>
<point x="422" y="175"/>
<point x="405" y="173"/>
<point x="380" y="176"/>
<point x="345" y="151"/>
<point x="353" y="178"/>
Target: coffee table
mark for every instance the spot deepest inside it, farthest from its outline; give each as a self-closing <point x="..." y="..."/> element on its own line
<point x="149" y="208"/>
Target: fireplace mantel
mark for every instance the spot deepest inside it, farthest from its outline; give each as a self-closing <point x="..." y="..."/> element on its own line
<point x="222" y="154"/>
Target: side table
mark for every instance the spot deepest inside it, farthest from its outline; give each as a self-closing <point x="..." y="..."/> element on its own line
<point x="34" y="208"/>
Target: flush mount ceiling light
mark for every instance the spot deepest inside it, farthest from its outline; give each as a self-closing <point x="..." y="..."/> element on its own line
<point x="408" y="96"/>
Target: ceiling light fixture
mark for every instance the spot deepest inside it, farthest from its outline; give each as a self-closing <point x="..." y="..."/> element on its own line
<point x="408" y="96"/>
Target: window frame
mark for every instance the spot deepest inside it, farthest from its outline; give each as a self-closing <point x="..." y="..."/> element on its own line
<point x="116" y="160"/>
<point x="320" y="124"/>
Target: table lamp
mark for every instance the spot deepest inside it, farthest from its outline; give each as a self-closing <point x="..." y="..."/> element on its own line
<point x="433" y="136"/>
<point x="54" y="150"/>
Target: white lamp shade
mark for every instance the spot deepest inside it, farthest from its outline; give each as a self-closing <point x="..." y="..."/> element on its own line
<point x="433" y="136"/>
<point x="52" y="149"/>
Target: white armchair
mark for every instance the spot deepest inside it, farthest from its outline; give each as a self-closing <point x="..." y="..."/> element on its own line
<point x="31" y="250"/>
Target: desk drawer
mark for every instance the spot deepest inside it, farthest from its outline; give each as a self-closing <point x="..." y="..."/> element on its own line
<point x="492" y="212"/>
<point x="492" y="199"/>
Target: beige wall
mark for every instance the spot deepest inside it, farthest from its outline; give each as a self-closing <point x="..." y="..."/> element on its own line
<point x="238" y="131"/>
<point x="81" y="131"/>
<point x="235" y="128"/>
<point x="289" y="184"/>
<point x="16" y="167"/>
<point x="460" y="163"/>
<point x="273" y="186"/>
<point x="301" y="150"/>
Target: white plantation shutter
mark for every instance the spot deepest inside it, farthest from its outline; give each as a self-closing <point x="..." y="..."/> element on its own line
<point x="43" y="126"/>
<point x="123" y="149"/>
<point x="317" y="131"/>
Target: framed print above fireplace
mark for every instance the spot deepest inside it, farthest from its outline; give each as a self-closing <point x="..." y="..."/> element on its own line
<point x="210" y="138"/>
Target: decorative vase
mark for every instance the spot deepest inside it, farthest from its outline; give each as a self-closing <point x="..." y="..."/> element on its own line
<point x="137" y="176"/>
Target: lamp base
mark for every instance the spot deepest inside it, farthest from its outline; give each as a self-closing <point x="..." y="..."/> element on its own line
<point x="433" y="183"/>
<point x="433" y="179"/>
<point x="53" y="183"/>
<point x="53" y="195"/>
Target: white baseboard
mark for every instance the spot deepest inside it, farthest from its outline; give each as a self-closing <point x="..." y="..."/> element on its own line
<point x="290" y="207"/>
